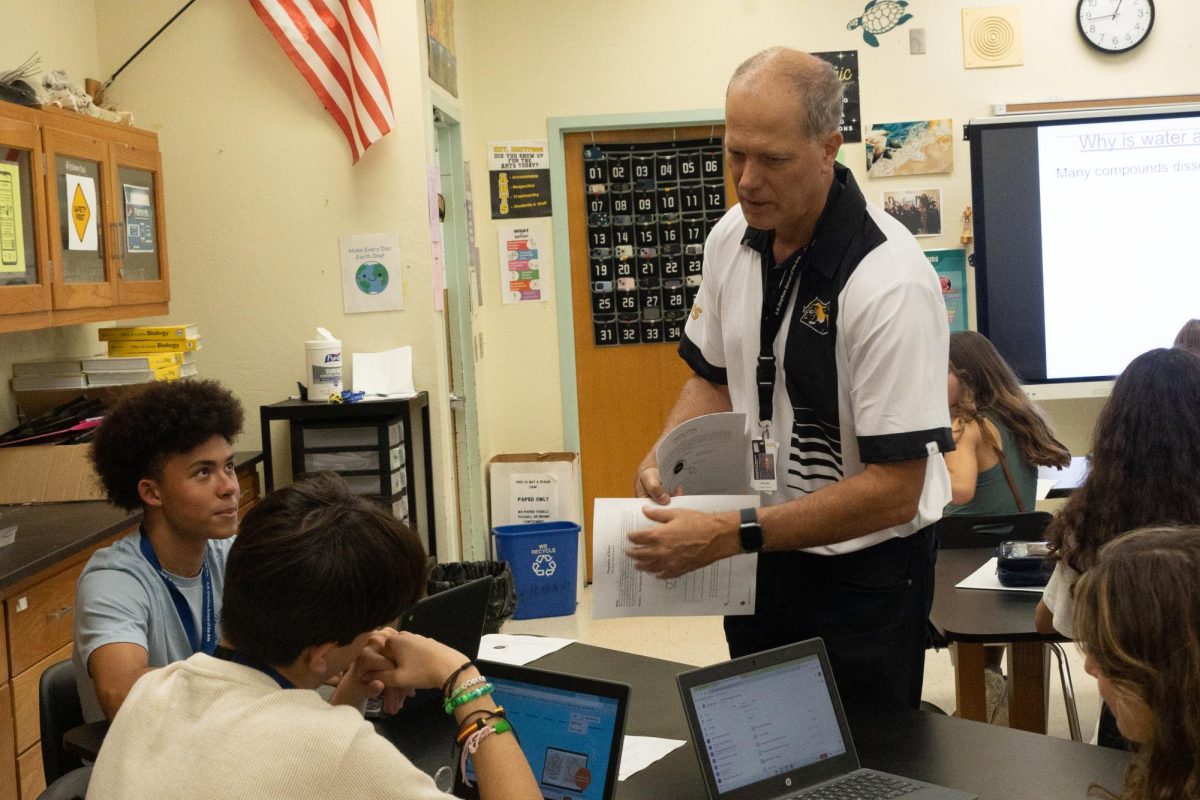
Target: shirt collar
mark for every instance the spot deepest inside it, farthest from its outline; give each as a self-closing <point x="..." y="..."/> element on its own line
<point x="840" y="204"/>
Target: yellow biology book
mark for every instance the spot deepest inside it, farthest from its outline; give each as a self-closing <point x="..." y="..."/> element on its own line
<point x="122" y="334"/>
<point x="135" y="347"/>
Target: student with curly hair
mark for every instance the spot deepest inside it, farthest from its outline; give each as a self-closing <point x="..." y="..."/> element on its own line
<point x="154" y="597"/>
<point x="1144" y="470"/>
<point x="1137" y="620"/>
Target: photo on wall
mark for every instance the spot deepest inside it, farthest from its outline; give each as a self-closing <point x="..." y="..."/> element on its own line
<point x="923" y="147"/>
<point x="919" y="210"/>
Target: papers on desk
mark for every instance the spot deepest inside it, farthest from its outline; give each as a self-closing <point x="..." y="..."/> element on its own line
<point x="985" y="578"/>
<point x="1044" y="485"/>
<point x="619" y="590"/>
<point x="639" y="752"/>
<point x="518" y="650"/>
<point x="386" y="374"/>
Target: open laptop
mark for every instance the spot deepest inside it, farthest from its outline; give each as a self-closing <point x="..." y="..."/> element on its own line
<point x="770" y="726"/>
<point x="570" y="729"/>
<point x="454" y="617"/>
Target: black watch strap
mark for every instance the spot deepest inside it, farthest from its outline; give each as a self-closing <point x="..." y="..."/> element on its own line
<point x="750" y="533"/>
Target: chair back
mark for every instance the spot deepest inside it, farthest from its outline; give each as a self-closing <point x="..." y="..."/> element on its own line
<point x="59" y="711"/>
<point x="72" y="786"/>
<point x="958" y="531"/>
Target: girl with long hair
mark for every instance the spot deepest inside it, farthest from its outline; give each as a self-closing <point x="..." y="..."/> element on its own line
<point x="1144" y="470"/>
<point x="1137" y="619"/>
<point x="1001" y="437"/>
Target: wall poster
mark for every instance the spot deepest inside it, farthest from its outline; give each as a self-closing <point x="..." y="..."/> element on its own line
<point x="951" y="266"/>
<point x="845" y="63"/>
<point x="519" y="179"/>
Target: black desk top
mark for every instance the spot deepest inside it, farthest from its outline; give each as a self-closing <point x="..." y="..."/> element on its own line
<point x="979" y="615"/>
<point x="369" y="407"/>
<point x="986" y="760"/>
<point x="51" y="532"/>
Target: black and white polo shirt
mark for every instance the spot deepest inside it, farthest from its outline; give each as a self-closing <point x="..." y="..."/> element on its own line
<point x="861" y="354"/>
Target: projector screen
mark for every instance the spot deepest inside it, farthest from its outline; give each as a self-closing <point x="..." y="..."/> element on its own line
<point x="1083" y="251"/>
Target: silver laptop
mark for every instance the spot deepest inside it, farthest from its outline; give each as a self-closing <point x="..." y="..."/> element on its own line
<point x="770" y="726"/>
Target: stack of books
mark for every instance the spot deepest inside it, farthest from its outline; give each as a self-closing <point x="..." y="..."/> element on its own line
<point x="143" y="354"/>
<point x="56" y="374"/>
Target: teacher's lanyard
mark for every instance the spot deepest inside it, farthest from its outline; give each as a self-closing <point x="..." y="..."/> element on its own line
<point x="774" y="309"/>
<point x="208" y="613"/>
<point x="237" y="657"/>
<point x="763" y="450"/>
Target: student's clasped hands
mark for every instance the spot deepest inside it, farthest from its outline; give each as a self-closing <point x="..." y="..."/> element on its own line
<point x="395" y="664"/>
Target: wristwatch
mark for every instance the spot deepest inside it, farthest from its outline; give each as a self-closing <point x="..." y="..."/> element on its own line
<point x="750" y="532"/>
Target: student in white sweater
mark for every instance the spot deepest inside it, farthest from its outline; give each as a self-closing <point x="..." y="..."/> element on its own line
<point x="310" y="580"/>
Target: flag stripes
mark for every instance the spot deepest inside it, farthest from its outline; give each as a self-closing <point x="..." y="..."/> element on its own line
<point x="335" y="45"/>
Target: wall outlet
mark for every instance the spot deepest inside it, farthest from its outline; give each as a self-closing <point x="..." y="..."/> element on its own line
<point x="916" y="41"/>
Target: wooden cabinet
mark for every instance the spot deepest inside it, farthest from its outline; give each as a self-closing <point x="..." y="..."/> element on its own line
<point x="82" y="227"/>
<point x="37" y="620"/>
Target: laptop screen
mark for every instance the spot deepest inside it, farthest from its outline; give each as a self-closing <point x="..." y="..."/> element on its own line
<point x="570" y="737"/>
<point x="767" y="722"/>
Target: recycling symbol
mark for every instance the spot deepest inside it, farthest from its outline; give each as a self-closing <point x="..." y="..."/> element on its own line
<point x="544" y="566"/>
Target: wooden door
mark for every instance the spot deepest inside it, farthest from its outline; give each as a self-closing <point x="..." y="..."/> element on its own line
<point x="625" y="391"/>
<point x="138" y="224"/>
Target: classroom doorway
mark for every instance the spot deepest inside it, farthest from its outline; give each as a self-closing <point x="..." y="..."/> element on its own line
<point x="460" y="308"/>
<point x="623" y="390"/>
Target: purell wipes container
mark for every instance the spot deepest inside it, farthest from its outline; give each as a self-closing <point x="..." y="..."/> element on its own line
<point x="323" y="371"/>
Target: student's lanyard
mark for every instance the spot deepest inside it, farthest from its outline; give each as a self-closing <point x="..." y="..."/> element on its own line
<point x="208" y="612"/>
<point x="237" y="657"/>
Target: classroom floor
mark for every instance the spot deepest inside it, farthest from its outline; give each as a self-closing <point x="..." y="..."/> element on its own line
<point x="701" y="641"/>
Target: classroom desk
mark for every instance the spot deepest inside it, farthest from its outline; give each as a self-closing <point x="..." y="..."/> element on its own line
<point x="986" y="760"/>
<point x="974" y="617"/>
<point x="1066" y="480"/>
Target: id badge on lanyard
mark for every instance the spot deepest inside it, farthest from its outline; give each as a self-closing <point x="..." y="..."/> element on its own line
<point x="764" y="454"/>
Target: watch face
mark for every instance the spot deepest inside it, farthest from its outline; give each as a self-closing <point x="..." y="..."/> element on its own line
<point x="1115" y="26"/>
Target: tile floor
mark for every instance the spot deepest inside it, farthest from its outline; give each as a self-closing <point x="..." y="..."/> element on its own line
<point x="701" y="641"/>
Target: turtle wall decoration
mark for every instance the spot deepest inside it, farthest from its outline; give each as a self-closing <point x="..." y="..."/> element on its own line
<point x="880" y="16"/>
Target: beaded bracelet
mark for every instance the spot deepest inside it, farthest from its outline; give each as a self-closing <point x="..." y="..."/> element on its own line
<point x="453" y="677"/>
<point x="462" y="699"/>
<point x="462" y="687"/>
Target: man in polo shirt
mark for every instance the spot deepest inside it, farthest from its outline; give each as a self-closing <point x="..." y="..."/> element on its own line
<point x="821" y="319"/>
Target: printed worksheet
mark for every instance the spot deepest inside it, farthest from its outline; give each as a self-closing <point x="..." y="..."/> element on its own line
<point x="619" y="590"/>
<point x="706" y="455"/>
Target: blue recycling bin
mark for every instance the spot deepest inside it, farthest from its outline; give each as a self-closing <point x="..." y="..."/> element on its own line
<point x="544" y="557"/>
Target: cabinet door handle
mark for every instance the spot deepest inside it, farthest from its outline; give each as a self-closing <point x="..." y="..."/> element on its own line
<point x="54" y="616"/>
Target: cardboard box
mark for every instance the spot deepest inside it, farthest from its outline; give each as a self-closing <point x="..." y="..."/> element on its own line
<point x="47" y="474"/>
<point x="537" y="487"/>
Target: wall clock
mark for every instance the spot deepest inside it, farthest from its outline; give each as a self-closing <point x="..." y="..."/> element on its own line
<point x="1115" y="26"/>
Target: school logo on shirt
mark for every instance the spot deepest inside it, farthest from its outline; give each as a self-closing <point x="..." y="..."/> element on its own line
<point x="816" y="315"/>
<point x="696" y="312"/>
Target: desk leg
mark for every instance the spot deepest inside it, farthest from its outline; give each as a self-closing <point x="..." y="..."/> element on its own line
<point x="1027" y="698"/>
<point x="968" y="681"/>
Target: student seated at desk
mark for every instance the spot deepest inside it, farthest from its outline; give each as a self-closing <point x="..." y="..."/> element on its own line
<point x="1000" y="440"/>
<point x="310" y="579"/>
<point x="1137" y="619"/>
<point x="155" y="596"/>
<point x="1145" y="470"/>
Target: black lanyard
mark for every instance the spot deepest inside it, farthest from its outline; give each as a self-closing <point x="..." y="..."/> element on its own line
<point x="207" y="641"/>
<point x="237" y="657"/>
<point x="774" y="308"/>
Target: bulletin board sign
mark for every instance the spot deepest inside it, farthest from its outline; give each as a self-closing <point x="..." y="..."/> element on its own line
<point x="519" y="178"/>
<point x="650" y="207"/>
<point x="951" y="266"/>
<point x="845" y="63"/>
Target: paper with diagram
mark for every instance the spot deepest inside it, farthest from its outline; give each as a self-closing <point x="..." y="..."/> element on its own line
<point x="706" y="455"/>
<point x="619" y="590"/>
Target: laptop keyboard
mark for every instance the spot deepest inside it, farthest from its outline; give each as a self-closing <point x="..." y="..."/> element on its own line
<point x="864" y="786"/>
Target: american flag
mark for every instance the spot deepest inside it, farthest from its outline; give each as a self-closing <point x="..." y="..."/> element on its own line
<point x="335" y="45"/>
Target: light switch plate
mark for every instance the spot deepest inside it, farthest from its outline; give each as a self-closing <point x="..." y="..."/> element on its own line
<point x="916" y="41"/>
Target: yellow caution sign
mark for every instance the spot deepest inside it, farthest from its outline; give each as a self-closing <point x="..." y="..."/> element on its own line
<point x="81" y="213"/>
